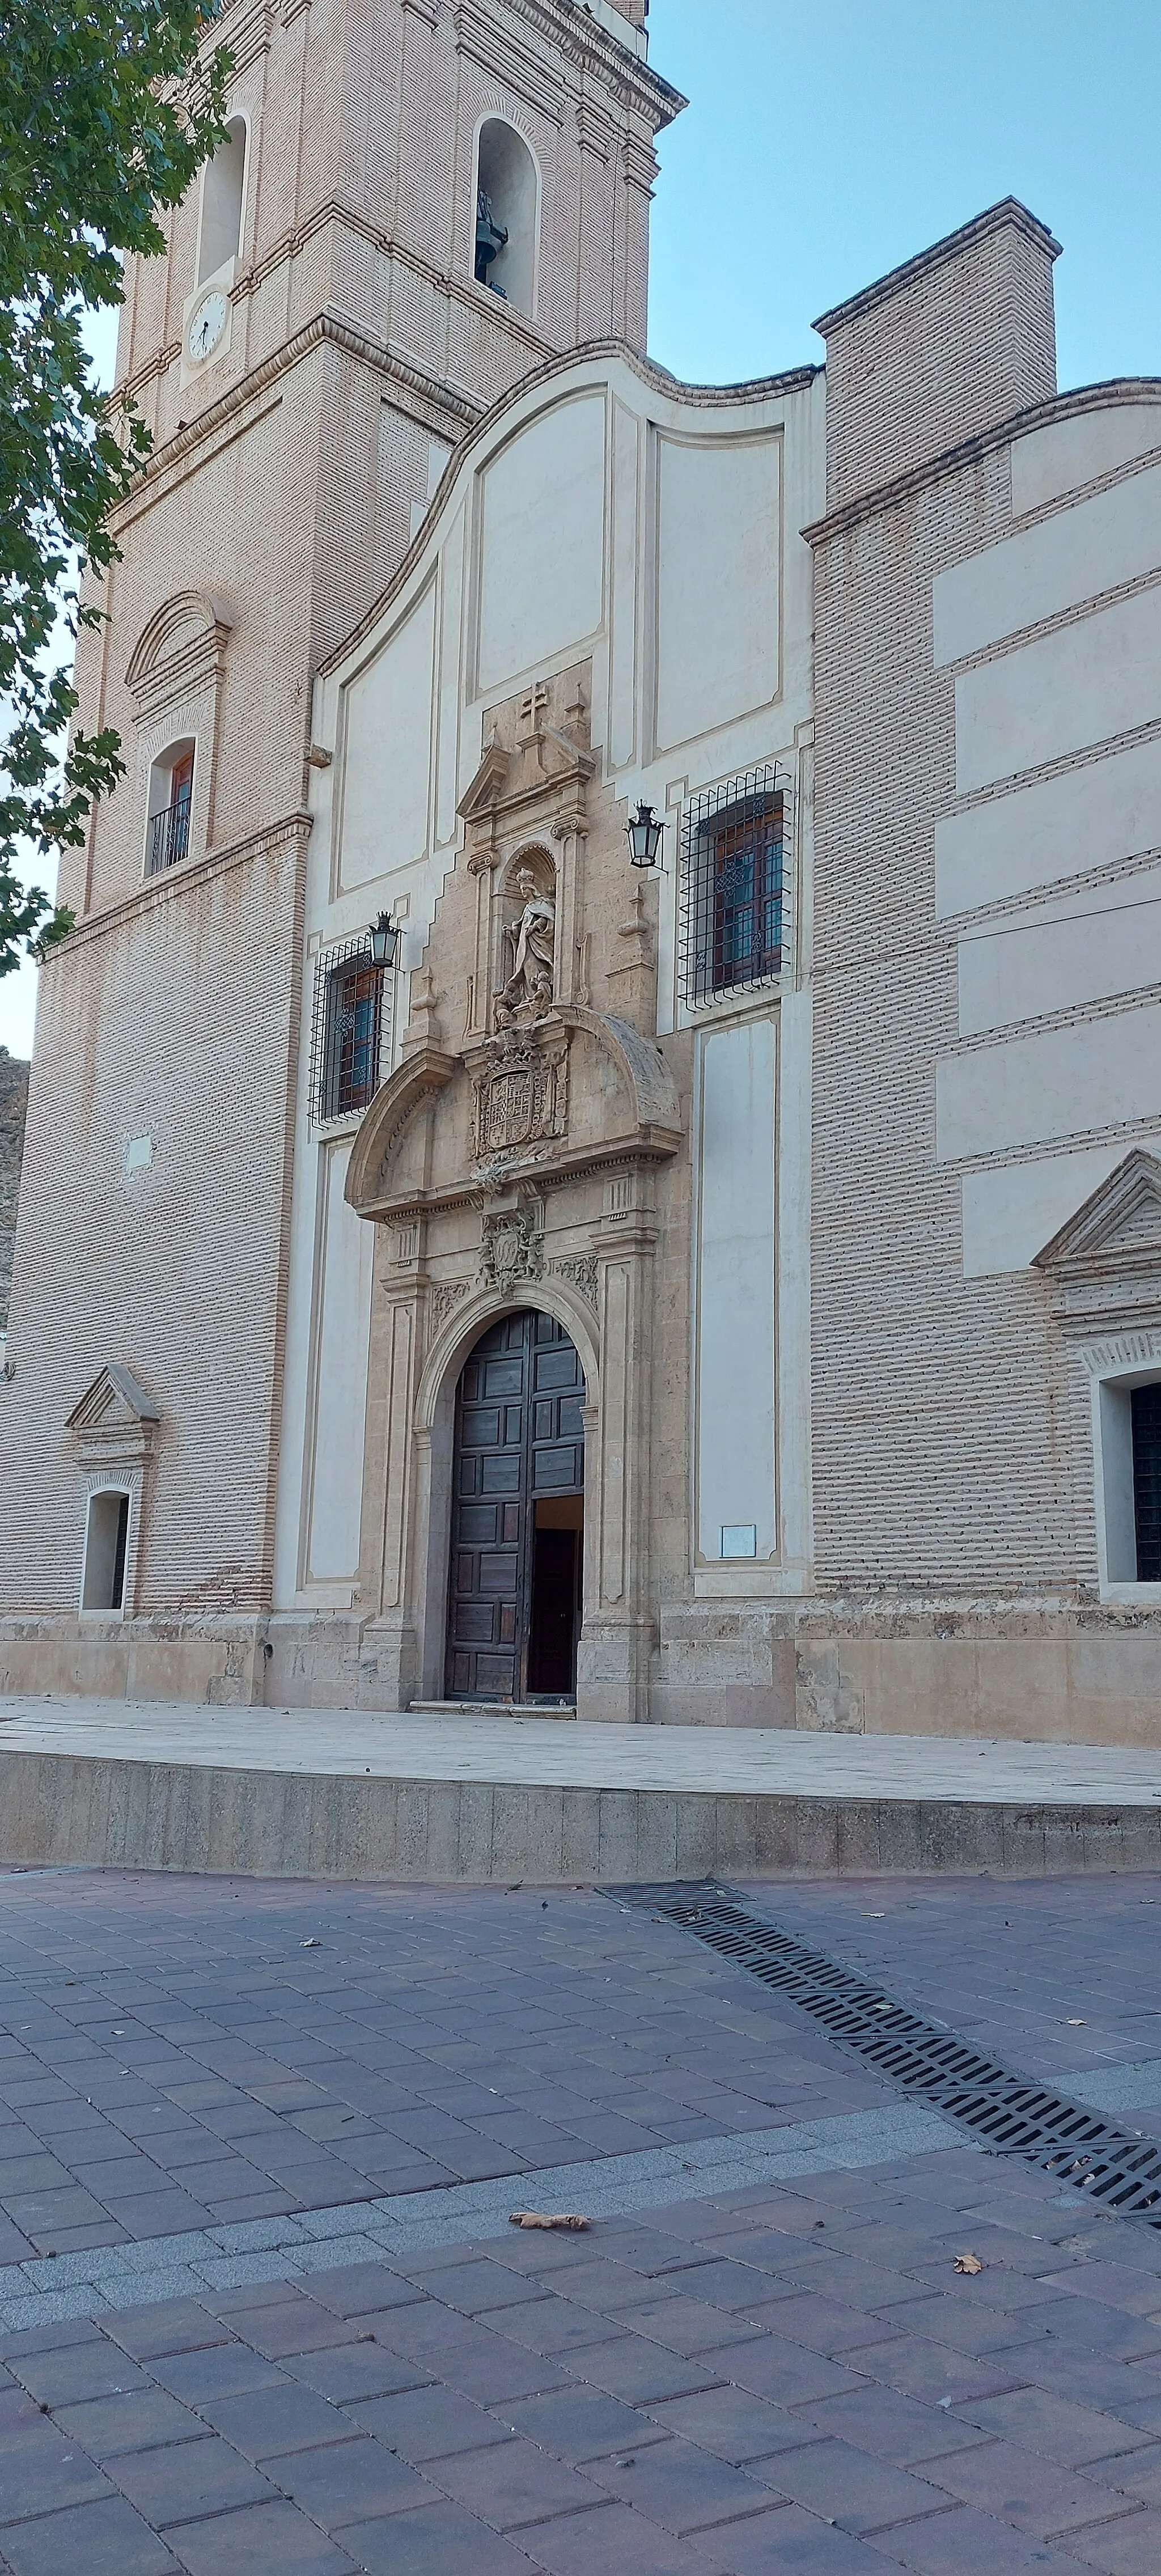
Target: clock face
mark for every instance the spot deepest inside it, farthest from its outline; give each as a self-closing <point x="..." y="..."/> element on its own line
<point x="207" y="325"/>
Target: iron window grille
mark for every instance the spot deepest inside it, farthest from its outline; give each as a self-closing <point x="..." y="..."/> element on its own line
<point x="1146" y="1421"/>
<point x="733" y="840"/>
<point x="169" y="835"/>
<point x="351" y="1030"/>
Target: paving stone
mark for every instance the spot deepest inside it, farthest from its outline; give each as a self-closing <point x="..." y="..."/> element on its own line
<point x="732" y="2423"/>
<point x="962" y="2542"/>
<point x="891" y="2427"/>
<point x="260" y="2540"/>
<point x="289" y="2327"/>
<point x="350" y="2481"/>
<point x="849" y="2487"/>
<point x="687" y="2327"/>
<point x="1024" y="2488"/>
<point x="38" y="2464"/>
<point x="174" y="2325"/>
<point x="185" y="2481"/>
<point x="788" y="2542"/>
<point x="512" y="2484"/>
<point x="215" y="2370"/>
<point x="641" y="2373"/>
<point x="551" y="2326"/>
<point x="1131" y="2547"/>
<point x="65" y="2377"/>
<point x="617" y="2542"/>
<point x="108" y="2425"/>
<point x="578" y="2424"/>
<point x="920" y="2368"/>
<point x="431" y="2423"/>
<point x="268" y="2423"/>
<point x="439" y="2540"/>
<point x="106" y="2539"/>
<point x="770" y="2368"/>
<point x="355" y="2372"/>
<point x="362" y="2290"/>
<point x="681" y="2487"/>
<point x="1035" y="2420"/>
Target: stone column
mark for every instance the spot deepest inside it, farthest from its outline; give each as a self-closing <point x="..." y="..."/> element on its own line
<point x="389" y="1659"/>
<point x="617" y="1637"/>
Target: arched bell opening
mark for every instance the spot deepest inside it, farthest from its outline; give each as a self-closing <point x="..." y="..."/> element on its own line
<point x="516" y="1554"/>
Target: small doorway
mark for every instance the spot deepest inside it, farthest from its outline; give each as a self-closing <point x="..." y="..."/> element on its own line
<point x="517" y="1535"/>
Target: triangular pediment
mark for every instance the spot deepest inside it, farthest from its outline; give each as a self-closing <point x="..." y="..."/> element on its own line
<point x="487" y="786"/>
<point x="114" y="1402"/>
<point x="1117" y="1227"/>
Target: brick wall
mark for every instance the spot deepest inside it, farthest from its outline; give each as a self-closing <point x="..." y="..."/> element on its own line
<point x="13" y="1109"/>
<point x="954" y="341"/>
<point x="948" y="1442"/>
<point x="174" y="1022"/>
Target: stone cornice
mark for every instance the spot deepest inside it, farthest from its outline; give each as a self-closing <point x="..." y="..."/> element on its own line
<point x="1008" y="215"/>
<point x="885" y="496"/>
<point x="585" y="41"/>
<point x="176" y="881"/>
<point x="438" y="400"/>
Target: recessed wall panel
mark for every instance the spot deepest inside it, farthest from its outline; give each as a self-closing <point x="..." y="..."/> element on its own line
<point x="1075" y="555"/>
<point x="735" y="1288"/>
<point x="718" y="582"/>
<point x="1063" y="1082"/>
<point x="1085" y="683"/>
<point x="541" y="540"/>
<point x="387" y="760"/>
<point x="343" y="1316"/>
<point x="1096" y="815"/>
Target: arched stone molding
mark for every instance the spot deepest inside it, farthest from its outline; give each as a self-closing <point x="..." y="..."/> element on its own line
<point x="456" y="1340"/>
<point x="392" y="1171"/>
<point x="174" y="677"/>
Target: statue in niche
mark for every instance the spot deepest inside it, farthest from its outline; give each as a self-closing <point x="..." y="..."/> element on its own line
<point x="527" y="993"/>
<point x="490" y="241"/>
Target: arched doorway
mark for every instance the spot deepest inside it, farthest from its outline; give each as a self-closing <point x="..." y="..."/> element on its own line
<point x="514" y="1594"/>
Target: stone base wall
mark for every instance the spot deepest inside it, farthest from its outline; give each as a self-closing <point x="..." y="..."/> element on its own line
<point x="68" y="1810"/>
<point x="1023" y="1676"/>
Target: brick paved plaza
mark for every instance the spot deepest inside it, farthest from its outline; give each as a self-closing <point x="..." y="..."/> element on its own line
<point x="263" y="2311"/>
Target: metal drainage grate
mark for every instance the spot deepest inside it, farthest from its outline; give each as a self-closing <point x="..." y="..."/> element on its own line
<point x="1016" y="2116"/>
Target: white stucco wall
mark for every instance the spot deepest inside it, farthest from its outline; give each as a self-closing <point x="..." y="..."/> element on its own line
<point x="1052" y="862"/>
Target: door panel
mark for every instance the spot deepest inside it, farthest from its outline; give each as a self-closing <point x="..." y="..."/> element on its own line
<point x="518" y="1434"/>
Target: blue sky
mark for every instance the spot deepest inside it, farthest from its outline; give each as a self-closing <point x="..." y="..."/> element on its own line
<point x="824" y="143"/>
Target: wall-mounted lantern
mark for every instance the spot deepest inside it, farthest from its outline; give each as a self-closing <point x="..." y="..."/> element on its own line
<point x="384" y="940"/>
<point x="643" y="832"/>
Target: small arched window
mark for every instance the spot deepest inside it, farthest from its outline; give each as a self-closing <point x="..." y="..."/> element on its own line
<point x="223" y="194"/>
<point x="506" y="210"/>
<point x="170" y="801"/>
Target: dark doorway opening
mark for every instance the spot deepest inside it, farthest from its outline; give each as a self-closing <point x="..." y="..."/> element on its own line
<point x="514" y="1605"/>
<point x="555" y="1607"/>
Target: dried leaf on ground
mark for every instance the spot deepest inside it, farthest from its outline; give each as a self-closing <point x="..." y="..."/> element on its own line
<point x="568" y="2218"/>
<point x="968" y="2263"/>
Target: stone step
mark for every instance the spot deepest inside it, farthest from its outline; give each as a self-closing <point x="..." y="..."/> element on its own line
<point x="492" y="1708"/>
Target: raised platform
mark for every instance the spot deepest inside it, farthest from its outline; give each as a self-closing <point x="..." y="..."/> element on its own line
<point x="334" y="1794"/>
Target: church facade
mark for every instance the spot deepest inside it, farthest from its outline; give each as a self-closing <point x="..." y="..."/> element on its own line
<point x="598" y="1140"/>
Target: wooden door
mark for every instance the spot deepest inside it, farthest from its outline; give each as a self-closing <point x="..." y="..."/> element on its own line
<point x="518" y="1437"/>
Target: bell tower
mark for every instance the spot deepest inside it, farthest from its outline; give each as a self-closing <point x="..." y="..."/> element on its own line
<point x="418" y="203"/>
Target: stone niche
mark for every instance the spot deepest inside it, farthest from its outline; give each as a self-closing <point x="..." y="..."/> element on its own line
<point x="517" y="1165"/>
